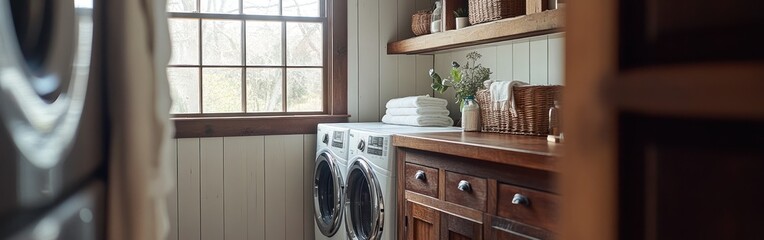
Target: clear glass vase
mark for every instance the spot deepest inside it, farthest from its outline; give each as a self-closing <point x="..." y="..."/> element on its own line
<point x="437" y="20"/>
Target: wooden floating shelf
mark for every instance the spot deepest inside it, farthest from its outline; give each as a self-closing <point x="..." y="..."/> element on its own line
<point x="519" y="27"/>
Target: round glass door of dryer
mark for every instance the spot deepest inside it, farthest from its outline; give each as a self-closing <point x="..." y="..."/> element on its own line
<point x="327" y="194"/>
<point x="45" y="53"/>
<point x="47" y="92"/>
<point x="364" y="203"/>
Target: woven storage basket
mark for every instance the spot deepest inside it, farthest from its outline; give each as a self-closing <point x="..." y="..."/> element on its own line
<point x="491" y="10"/>
<point x="532" y="105"/>
<point x="420" y="22"/>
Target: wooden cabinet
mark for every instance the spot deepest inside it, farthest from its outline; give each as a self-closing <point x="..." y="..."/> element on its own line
<point x="422" y="223"/>
<point x="507" y="194"/>
<point x="453" y="227"/>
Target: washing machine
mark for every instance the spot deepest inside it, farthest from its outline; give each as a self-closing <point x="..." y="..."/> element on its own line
<point x="370" y="184"/>
<point x="51" y="120"/>
<point x="328" y="178"/>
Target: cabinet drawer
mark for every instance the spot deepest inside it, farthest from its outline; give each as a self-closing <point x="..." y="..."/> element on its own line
<point x="465" y="190"/>
<point x="527" y="206"/>
<point x="422" y="179"/>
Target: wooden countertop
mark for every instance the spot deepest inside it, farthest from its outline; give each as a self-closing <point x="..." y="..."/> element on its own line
<point x="523" y="151"/>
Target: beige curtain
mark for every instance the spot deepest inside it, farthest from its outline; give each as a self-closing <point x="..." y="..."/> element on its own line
<point x="137" y="43"/>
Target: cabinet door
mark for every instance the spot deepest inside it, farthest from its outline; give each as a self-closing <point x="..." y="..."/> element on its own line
<point x="457" y="228"/>
<point x="497" y="228"/>
<point x="422" y="222"/>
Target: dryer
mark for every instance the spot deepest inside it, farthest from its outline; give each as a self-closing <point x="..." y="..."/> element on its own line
<point x="332" y="144"/>
<point x="51" y="118"/>
<point x="370" y="201"/>
<point x="328" y="180"/>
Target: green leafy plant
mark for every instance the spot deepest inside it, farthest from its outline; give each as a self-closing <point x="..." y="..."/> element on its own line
<point x="461" y="12"/>
<point x="466" y="79"/>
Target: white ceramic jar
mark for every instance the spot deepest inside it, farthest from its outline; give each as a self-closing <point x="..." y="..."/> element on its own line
<point x="470" y="115"/>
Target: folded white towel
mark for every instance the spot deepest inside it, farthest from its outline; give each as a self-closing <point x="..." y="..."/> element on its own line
<point x="416" y="101"/>
<point x="421" y="121"/>
<point x="501" y="95"/>
<point x="438" y="111"/>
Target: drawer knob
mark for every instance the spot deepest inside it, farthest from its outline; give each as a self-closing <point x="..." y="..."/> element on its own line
<point x="464" y="186"/>
<point x="520" y="199"/>
<point x="420" y="175"/>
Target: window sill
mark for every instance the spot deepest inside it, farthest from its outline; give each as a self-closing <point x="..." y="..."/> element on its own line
<point x="193" y="127"/>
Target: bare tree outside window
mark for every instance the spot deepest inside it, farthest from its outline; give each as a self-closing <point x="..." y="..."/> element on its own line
<point x="247" y="56"/>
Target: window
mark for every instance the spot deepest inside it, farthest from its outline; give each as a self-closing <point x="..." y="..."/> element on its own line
<point x="256" y="58"/>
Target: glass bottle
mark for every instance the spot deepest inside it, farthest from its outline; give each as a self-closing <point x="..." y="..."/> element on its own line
<point x="435" y="23"/>
<point x="554" y="120"/>
<point x="470" y="115"/>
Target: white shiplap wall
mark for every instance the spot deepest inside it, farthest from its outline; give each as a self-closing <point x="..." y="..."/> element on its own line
<point x="260" y="187"/>
<point x="233" y="188"/>
<point x="373" y="76"/>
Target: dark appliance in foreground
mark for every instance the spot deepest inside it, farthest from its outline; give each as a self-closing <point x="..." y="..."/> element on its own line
<point x="52" y="127"/>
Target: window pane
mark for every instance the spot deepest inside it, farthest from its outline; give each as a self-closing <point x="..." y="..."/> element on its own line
<point x="185" y="41"/>
<point x="184" y="89"/>
<point x="220" y="6"/>
<point x="264" y="89"/>
<point x="181" y="5"/>
<point x="302" y="8"/>
<point x="264" y="43"/>
<point x="261" y="7"/>
<point x="221" y="90"/>
<point x="304" y="89"/>
<point x="221" y="42"/>
<point x="304" y="44"/>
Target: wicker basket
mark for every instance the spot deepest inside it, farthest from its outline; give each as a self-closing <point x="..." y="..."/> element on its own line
<point x="420" y="22"/>
<point x="481" y="11"/>
<point x="532" y="105"/>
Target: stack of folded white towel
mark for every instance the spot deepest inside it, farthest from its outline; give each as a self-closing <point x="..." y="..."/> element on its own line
<point x="423" y="111"/>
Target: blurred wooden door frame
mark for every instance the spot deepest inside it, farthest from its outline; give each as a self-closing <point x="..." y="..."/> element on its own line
<point x="597" y="91"/>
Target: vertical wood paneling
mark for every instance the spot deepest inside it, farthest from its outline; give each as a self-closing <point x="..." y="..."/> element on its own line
<point x="407" y="76"/>
<point x="172" y="198"/>
<point x="443" y="68"/>
<point x="423" y="65"/>
<point x="539" y="61"/>
<point x="284" y="187"/>
<point x="556" y="59"/>
<point x="353" y="59"/>
<point x="388" y="64"/>
<point x="211" y="159"/>
<point x="309" y="159"/>
<point x="368" y="64"/>
<point x="275" y="187"/>
<point x="255" y="187"/>
<point x="293" y="179"/>
<point x="423" y="62"/>
<point x="406" y="8"/>
<point x="189" y="196"/>
<point x="235" y="187"/>
<point x="488" y="58"/>
<point x="521" y="60"/>
<point x="504" y="64"/>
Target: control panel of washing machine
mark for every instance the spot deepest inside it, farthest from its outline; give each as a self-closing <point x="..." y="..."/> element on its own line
<point x="376" y="146"/>
<point x="338" y="139"/>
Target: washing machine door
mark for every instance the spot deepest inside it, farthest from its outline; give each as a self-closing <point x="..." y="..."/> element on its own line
<point x="45" y="60"/>
<point x="364" y="203"/>
<point x="327" y="194"/>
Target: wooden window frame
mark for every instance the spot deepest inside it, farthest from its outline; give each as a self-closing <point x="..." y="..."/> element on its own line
<point x="277" y="123"/>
